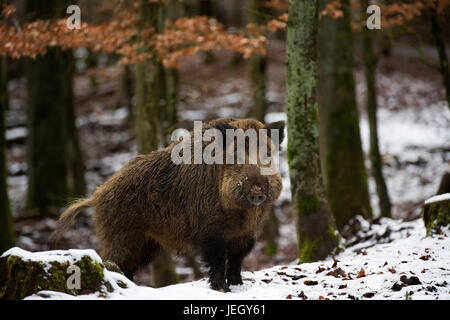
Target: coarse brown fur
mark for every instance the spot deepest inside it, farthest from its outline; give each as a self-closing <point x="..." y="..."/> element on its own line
<point x="153" y="202"/>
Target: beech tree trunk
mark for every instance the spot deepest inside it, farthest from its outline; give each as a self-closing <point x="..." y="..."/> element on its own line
<point x="147" y="102"/>
<point x="436" y="216"/>
<point x="150" y="104"/>
<point x="370" y="63"/>
<point x="258" y="83"/>
<point x="342" y="155"/>
<point x="440" y="46"/>
<point x="55" y="166"/>
<point x="127" y="92"/>
<point x="7" y="236"/>
<point x="317" y="235"/>
<point x="76" y="166"/>
<point x="258" y="66"/>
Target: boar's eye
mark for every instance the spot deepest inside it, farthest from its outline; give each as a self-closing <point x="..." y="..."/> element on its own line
<point x="241" y="182"/>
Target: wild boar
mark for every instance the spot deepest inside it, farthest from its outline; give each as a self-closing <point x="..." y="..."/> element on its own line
<point x="213" y="209"/>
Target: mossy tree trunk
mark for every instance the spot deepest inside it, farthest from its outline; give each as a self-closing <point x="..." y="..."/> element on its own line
<point x="55" y="168"/>
<point x="7" y="236"/>
<point x="440" y="46"/>
<point x="343" y="159"/>
<point x="316" y="232"/>
<point x="436" y="216"/>
<point x="258" y="86"/>
<point x="150" y="105"/>
<point x="370" y="63"/>
<point x="147" y="101"/>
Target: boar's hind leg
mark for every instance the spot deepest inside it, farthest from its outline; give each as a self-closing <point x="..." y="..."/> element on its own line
<point x="237" y="250"/>
<point x="213" y="254"/>
<point x="130" y="255"/>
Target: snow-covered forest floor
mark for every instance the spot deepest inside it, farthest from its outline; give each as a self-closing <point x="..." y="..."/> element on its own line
<point x="394" y="261"/>
<point x="414" y="133"/>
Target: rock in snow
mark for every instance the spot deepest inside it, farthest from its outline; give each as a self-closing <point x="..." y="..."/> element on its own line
<point x="436" y="213"/>
<point x="407" y="265"/>
<point x="74" y="272"/>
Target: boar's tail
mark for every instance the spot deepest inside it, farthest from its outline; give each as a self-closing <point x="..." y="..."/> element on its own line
<point x="67" y="219"/>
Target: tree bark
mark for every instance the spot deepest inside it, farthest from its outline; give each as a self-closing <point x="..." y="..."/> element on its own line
<point x="443" y="60"/>
<point x="206" y="8"/>
<point x="147" y="102"/>
<point x="436" y="216"/>
<point x="444" y="186"/>
<point x="258" y="85"/>
<point x="342" y="155"/>
<point x="370" y="63"/>
<point x="55" y="168"/>
<point x="150" y="104"/>
<point x="127" y="92"/>
<point x="7" y="235"/>
<point x="258" y="66"/>
<point x="76" y="167"/>
<point x="317" y="236"/>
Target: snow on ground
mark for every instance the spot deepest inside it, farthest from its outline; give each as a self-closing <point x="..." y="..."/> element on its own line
<point x="60" y="256"/>
<point x="407" y="265"/>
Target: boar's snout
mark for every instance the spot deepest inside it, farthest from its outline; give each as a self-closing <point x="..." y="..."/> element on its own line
<point x="256" y="198"/>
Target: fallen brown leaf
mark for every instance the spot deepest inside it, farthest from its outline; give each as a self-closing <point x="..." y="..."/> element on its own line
<point x="361" y="274"/>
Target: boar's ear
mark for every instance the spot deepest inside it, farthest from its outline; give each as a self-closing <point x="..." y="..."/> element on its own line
<point x="278" y="125"/>
<point x="222" y="127"/>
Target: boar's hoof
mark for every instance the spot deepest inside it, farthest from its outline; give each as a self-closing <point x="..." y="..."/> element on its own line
<point x="234" y="280"/>
<point x="220" y="286"/>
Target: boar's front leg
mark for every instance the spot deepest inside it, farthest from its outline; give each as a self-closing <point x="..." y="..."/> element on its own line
<point x="214" y="255"/>
<point x="237" y="250"/>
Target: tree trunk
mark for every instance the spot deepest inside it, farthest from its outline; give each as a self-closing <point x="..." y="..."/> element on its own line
<point x="444" y="186"/>
<point x="440" y="46"/>
<point x="258" y="84"/>
<point x="206" y="8"/>
<point x="237" y="10"/>
<point x="343" y="160"/>
<point x="172" y="12"/>
<point x="237" y="22"/>
<point x="76" y="167"/>
<point x="436" y="215"/>
<point x="47" y="144"/>
<point x="55" y="169"/>
<point x="7" y="236"/>
<point x="147" y="102"/>
<point x="150" y="93"/>
<point x="270" y="233"/>
<point x="171" y="78"/>
<point x="258" y="66"/>
<point x="317" y="236"/>
<point x="372" y="104"/>
<point x="127" y="92"/>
